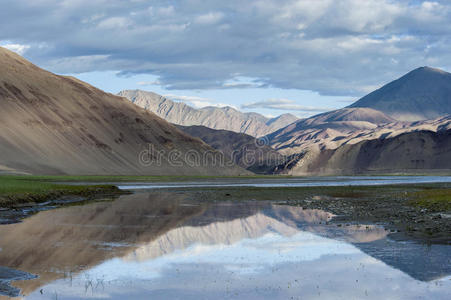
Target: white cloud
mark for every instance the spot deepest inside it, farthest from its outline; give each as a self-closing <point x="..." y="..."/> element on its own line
<point x="78" y="64"/>
<point x="358" y="43"/>
<point x="166" y="11"/>
<point x="197" y="102"/>
<point x="147" y="83"/>
<point x="333" y="47"/>
<point x="282" y="104"/>
<point x="239" y="82"/>
<point x="210" y="18"/>
<point x="18" y="48"/>
<point x="187" y="98"/>
<point x="114" y="23"/>
<point x="427" y="5"/>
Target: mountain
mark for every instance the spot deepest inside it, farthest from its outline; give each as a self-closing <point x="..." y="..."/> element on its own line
<point x="331" y="143"/>
<point x="409" y="152"/>
<point x="424" y="93"/>
<point x="245" y="150"/>
<point x="341" y="141"/>
<point x="351" y="115"/>
<point x="327" y="129"/>
<point x="59" y="125"/>
<point x="226" y="118"/>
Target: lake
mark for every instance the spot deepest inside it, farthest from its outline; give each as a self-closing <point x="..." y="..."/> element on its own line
<point x="292" y="182"/>
<point x="165" y="245"/>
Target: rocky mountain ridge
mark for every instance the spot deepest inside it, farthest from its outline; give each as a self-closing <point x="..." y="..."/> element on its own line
<point x="225" y="118"/>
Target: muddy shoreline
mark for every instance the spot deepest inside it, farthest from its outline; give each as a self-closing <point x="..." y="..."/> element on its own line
<point x="402" y="220"/>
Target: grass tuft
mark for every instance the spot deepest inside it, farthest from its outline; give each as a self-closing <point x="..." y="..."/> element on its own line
<point x="432" y="199"/>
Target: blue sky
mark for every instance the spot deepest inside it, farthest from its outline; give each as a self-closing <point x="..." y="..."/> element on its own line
<point x="270" y="56"/>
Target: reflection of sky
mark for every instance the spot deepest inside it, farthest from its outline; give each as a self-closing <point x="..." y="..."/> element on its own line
<point x="269" y="267"/>
<point x="248" y="255"/>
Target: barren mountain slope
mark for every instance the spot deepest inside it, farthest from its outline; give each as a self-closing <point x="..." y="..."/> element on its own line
<point x="351" y="115"/>
<point x="332" y="135"/>
<point x="246" y="151"/>
<point x="226" y="118"/>
<point x="347" y="141"/>
<point x="59" y="125"/>
<point x="327" y="129"/>
<point x="410" y="152"/>
<point x="424" y="93"/>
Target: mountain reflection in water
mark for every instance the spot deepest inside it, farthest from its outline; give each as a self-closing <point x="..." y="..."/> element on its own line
<point x="162" y="246"/>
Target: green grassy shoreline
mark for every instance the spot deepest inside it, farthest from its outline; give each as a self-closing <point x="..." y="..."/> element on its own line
<point x="17" y="190"/>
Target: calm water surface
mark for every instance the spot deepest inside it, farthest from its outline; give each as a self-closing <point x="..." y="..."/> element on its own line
<point x="162" y="246"/>
<point x="293" y="182"/>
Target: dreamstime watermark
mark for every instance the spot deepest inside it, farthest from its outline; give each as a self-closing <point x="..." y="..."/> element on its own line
<point x="253" y="155"/>
<point x="261" y="142"/>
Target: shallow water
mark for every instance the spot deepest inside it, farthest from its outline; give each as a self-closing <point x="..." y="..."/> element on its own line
<point x="162" y="246"/>
<point x="293" y="182"/>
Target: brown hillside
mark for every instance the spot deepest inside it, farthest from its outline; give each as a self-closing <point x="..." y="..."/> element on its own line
<point x="52" y="124"/>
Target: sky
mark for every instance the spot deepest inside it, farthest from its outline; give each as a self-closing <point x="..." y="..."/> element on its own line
<point x="270" y="56"/>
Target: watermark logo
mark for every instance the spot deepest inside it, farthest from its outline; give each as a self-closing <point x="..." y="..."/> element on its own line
<point x="250" y="155"/>
<point x="262" y="141"/>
